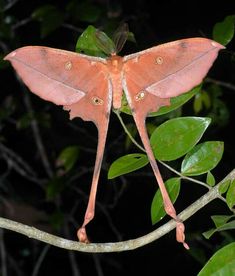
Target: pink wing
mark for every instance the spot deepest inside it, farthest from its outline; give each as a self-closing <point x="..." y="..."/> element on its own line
<point x="171" y="69"/>
<point x="153" y="76"/>
<point x="80" y="83"/>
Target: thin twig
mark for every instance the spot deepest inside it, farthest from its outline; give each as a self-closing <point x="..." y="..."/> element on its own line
<point x="21" y="23"/>
<point x="117" y="112"/>
<point x="221" y="83"/>
<point x="37" y="136"/>
<point x="4" y="47"/>
<point x="40" y="260"/>
<point x="9" y="152"/>
<point x="98" y="265"/>
<point x="15" y="265"/>
<point x="72" y="27"/>
<point x="75" y="269"/>
<point x="32" y="232"/>
<point x="16" y="162"/>
<point x="9" y="5"/>
<point x="183" y="176"/>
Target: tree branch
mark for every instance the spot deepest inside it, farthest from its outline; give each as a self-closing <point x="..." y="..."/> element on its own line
<point x="32" y="232"/>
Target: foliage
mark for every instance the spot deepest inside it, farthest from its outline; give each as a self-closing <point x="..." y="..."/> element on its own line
<point x="223" y="32"/>
<point x="86" y="43"/>
<point x="157" y="208"/>
<point x="221" y="263"/>
<point x="34" y="150"/>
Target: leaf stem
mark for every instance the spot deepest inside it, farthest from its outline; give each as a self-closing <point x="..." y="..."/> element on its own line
<point x="183" y="176"/>
<point x="117" y="112"/>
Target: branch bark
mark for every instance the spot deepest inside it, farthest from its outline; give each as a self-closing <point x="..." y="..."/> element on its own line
<point x="34" y="233"/>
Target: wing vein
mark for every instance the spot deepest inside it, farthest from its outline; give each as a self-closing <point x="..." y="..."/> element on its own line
<point x="49" y="78"/>
<point x="181" y="69"/>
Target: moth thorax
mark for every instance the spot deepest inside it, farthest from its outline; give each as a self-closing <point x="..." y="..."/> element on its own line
<point x="115" y="62"/>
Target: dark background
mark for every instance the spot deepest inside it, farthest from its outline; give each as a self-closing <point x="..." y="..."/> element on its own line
<point x="126" y="200"/>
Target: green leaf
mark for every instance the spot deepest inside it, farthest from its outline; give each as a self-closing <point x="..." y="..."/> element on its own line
<point x="201" y="99"/>
<point x="230" y="196"/>
<point x="209" y="233"/>
<point x="210" y="180"/>
<point x="227" y="226"/>
<point x="197" y="103"/>
<point x="221" y="263"/>
<point x="202" y="158"/>
<point x="177" y="136"/>
<point x="68" y="157"/>
<point x="176" y="102"/>
<point x="206" y="99"/>
<point x="220" y="220"/>
<point x="224" y="186"/>
<point x="223" y="32"/>
<point x="125" y="106"/>
<point x="86" y="43"/>
<point x="127" y="164"/>
<point x="157" y="206"/>
<point x="49" y="17"/>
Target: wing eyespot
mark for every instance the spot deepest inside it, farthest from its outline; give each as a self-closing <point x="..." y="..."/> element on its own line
<point x="68" y="65"/>
<point x="97" y="101"/>
<point x="140" y="96"/>
<point x="159" y="60"/>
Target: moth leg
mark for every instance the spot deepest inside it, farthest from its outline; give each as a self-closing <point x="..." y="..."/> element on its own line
<point x="90" y="211"/>
<point x="168" y="206"/>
